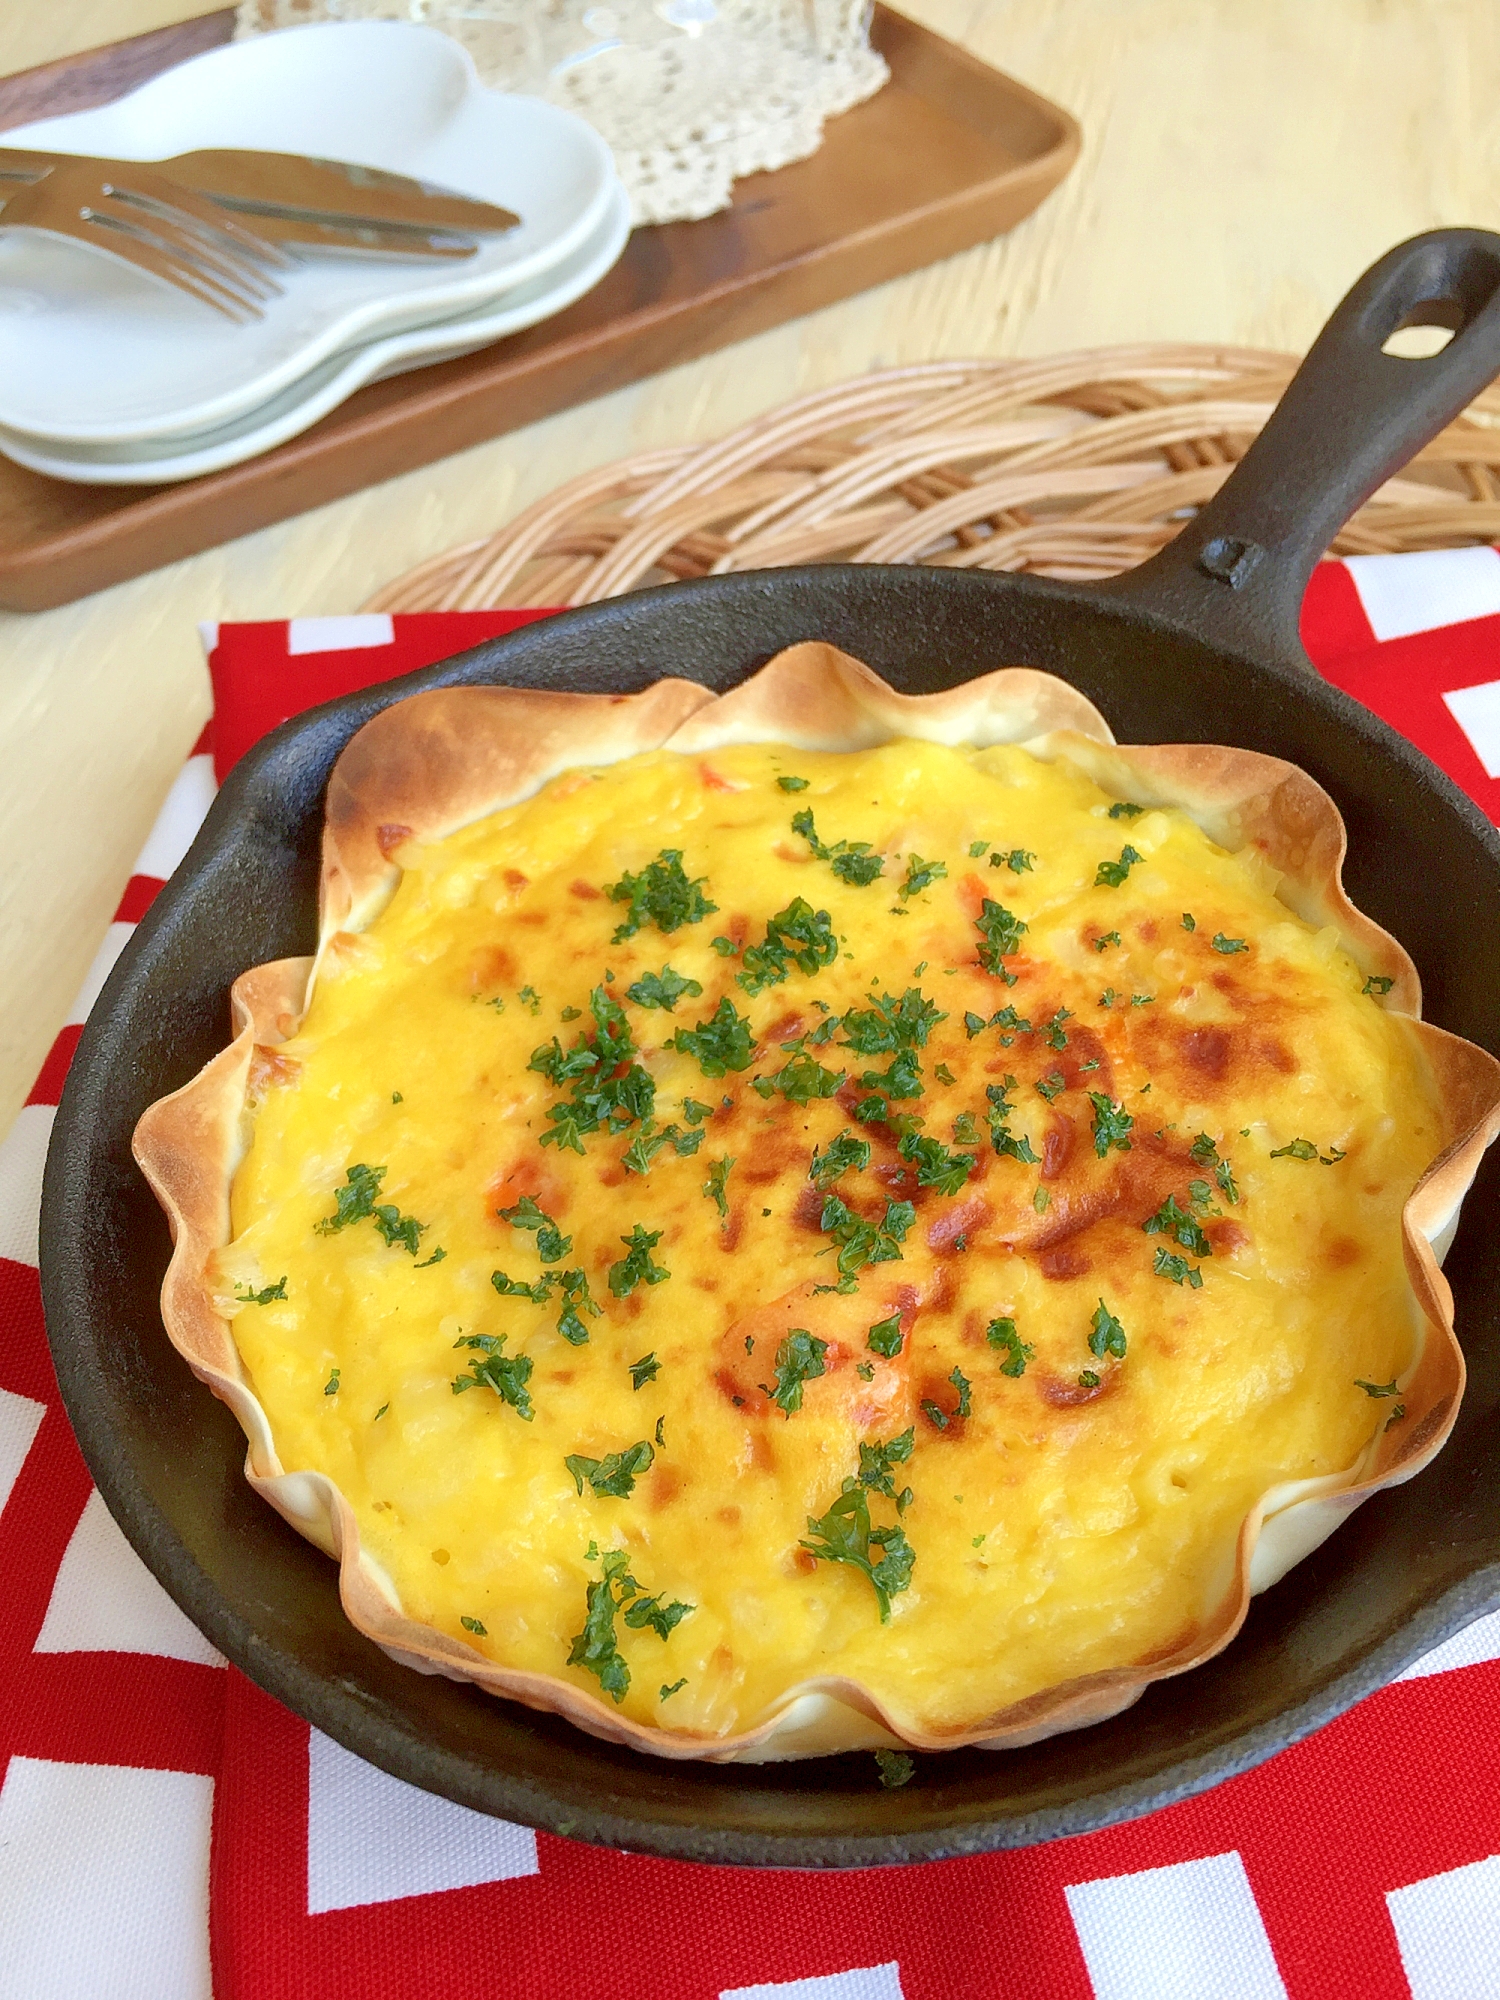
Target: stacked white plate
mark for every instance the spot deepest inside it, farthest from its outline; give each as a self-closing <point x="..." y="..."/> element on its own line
<point x="110" y="378"/>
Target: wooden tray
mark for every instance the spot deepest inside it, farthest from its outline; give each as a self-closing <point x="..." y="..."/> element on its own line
<point x="950" y="154"/>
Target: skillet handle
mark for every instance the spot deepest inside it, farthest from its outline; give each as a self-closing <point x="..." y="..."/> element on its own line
<point x="1350" y="418"/>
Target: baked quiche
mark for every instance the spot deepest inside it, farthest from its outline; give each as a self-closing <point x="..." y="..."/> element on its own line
<point x="816" y="1219"/>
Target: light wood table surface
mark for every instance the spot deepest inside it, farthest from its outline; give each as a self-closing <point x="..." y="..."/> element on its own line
<point x="1241" y="166"/>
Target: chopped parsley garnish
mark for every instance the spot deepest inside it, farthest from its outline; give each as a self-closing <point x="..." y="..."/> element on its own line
<point x="648" y="1142"/>
<point x="1169" y="1265"/>
<point x="1304" y="1149"/>
<point x="884" y="1337"/>
<point x="1020" y="861"/>
<point x="936" y="1166"/>
<point x="635" y="1267"/>
<point x="1189" y="921"/>
<point x="571" y="1014"/>
<point x="1107" y="997"/>
<point x="595" y="1647"/>
<point x="1052" y="1085"/>
<point x="1056" y="1038"/>
<point x="844" y="1535"/>
<point x="506" y="1374"/>
<point x="942" y="1074"/>
<point x="662" y="1618"/>
<point x="614" y="1477"/>
<point x="976" y="848"/>
<point x="662" y="989"/>
<point x="1395" y="1417"/>
<point x="1108" y="1336"/>
<point x="551" y="1245"/>
<point x="1228" y="944"/>
<point x="799" y="1359"/>
<point x="850" y="860"/>
<point x="1011" y="1024"/>
<point x="896" y="1768"/>
<point x="397" y="1098"/>
<point x="802" y="1079"/>
<point x="717" y="1183"/>
<point x="1002" y="1336"/>
<point x="1111" y="874"/>
<point x="1002" y="1111"/>
<point x="661" y="1433"/>
<point x="1296" y="1149"/>
<point x="903" y="1078"/>
<point x="876" y="1460"/>
<point x="660" y="894"/>
<point x="380" y="1413"/>
<point x="1376" y="984"/>
<point x="1002" y="933"/>
<point x="862" y="1242"/>
<point x="610" y="1088"/>
<point x="889" y="1026"/>
<point x="1109" y="938"/>
<point x="1088" y="1379"/>
<point x="665" y="1693"/>
<point x="721" y="1043"/>
<point x="839" y="1157"/>
<point x="694" y="1112"/>
<point x="1123" y="809"/>
<point x="966" y="1129"/>
<point x="643" y="1371"/>
<point x="1204" y="1153"/>
<point x="963" y="1385"/>
<point x="798" y="935"/>
<point x="473" y="1625"/>
<point x="920" y="875"/>
<point x="355" y="1202"/>
<point x="264" y="1296"/>
<point x="517" y="1288"/>
<point x="576" y="1296"/>
<point x="1171" y="1219"/>
<point x="1376" y="1388"/>
<point x="1112" y="1124"/>
<point x="974" y="1024"/>
<point x="790" y="784"/>
<point x="331" y="1386"/>
<point x="530" y="999"/>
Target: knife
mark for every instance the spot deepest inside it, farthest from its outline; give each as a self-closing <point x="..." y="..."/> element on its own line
<point x="329" y="194"/>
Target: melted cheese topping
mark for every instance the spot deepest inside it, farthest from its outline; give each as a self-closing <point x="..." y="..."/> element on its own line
<point x="1072" y="1507"/>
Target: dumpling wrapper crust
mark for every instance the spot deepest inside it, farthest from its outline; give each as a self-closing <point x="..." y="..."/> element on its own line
<point x="438" y="761"/>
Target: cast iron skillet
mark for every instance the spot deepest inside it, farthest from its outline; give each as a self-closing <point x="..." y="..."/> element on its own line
<point x="1199" y="645"/>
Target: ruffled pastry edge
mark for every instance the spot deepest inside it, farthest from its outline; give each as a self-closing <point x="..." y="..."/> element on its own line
<point x="438" y="761"/>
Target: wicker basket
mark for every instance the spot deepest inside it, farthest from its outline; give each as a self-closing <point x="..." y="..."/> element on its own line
<point x="1076" y="466"/>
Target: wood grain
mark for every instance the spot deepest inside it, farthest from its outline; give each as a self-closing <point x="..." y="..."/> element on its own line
<point x="1240" y="167"/>
<point x="949" y="154"/>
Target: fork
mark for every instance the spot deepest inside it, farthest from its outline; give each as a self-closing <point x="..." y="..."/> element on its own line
<point x="148" y="221"/>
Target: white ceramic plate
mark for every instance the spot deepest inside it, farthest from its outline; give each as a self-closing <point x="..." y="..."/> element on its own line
<point x="312" y="397"/>
<point x="94" y="351"/>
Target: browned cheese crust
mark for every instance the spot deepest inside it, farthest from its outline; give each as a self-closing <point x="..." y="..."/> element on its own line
<point x="435" y="762"/>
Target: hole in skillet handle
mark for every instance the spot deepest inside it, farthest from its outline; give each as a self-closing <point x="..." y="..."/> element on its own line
<point x="1357" y="409"/>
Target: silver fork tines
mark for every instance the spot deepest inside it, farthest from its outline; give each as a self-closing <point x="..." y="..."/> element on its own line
<point x="164" y="230"/>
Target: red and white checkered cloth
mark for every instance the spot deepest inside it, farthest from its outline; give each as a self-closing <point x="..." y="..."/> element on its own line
<point x="167" y="1831"/>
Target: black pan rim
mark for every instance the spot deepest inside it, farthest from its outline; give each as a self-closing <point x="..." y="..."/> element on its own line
<point x="250" y="798"/>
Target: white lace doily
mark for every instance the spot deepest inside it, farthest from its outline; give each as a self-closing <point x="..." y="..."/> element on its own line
<point x="689" y="94"/>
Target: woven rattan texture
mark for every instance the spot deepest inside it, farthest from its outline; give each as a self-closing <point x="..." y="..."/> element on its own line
<point x="1080" y="465"/>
